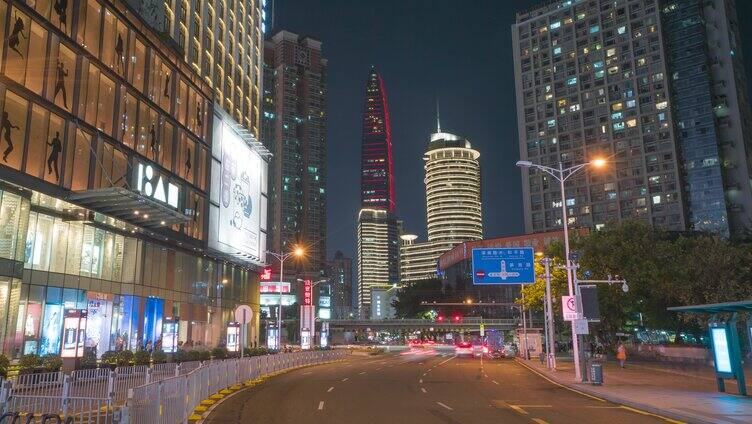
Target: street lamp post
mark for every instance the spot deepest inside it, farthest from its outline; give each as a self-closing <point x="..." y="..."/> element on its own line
<point x="549" y="316"/>
<point x="281" y="257"/>
<point x="562" y="174"/>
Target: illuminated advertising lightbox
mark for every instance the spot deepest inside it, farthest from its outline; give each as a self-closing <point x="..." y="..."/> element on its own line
<point x="170" y="331"/>
<point x="51" y="329"/>
<point x="235" y="216"/>
<point x="307" y="293"/>
<point x="274" y="287"/>
<point x="325" y="301"/>
<point x="273" y="299"/>
<point x="721" y="350"/>
<point x="74" y="333"/>
<point x="233" y="337"/>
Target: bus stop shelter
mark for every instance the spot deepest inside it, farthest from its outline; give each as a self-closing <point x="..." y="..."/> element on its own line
<point x="724" y="339"/>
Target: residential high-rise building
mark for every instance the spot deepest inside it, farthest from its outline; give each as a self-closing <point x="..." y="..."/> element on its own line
<point x="222" y="41"/>
<point x="453" y="204"/>
<point x="378" y="228"/>
<point x="294" y="130"/>
<point x="340" y="277"/>
<point x="656" y="86"/>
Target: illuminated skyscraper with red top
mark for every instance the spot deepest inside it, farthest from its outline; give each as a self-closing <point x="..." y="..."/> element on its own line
<point x="377" y="170"/>
<point x="378" y="229"/>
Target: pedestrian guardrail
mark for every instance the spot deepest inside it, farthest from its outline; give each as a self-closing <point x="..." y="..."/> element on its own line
<point x="161" y="394"/>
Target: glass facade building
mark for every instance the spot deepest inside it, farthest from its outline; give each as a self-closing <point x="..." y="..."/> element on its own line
<point x="657" y="87"/>
<point x="103" y="184"/>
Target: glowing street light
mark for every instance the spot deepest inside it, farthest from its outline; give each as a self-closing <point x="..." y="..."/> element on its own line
<point x="299" y="252"/>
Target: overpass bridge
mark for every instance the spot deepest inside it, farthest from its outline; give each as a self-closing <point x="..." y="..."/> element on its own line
<point x="465" y="324"/>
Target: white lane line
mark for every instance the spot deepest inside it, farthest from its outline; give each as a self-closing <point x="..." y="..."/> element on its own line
<point x="423" y="390"/>
<point x="330" y="389"/>
<point x="424" y="374"/>
<point x="495" y="382"/>
<point x="306" y="373"/>
<point x="362" y="372"/>
<point x="378" y="369"/>
<point x="321" y="405"/>
<point x="345" y="379"/>
<point x="445" y="406"/>
<point x="420" y="381"/>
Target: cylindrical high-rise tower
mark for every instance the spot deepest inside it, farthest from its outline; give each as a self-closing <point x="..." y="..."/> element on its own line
<point x="453" y="200"/>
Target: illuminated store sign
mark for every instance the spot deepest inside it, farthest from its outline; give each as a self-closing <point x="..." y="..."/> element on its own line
<point x="274" y="287"/>
<point x="154" y="185"/>
<point x="273" y="299"/>
<point x="307" y="293"/>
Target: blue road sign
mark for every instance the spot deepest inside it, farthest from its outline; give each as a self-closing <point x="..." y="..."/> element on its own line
<point x="496" y="265"/>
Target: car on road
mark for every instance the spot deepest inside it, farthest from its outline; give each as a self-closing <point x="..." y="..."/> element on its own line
<point x="463" y="349"/>
<point x="480" y="349"/>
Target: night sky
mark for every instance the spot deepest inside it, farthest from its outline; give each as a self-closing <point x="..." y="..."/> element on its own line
<point x="456" y="51"/>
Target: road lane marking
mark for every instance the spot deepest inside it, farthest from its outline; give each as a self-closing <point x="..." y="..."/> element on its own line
<point x="308" y="372"/>
<point x="539" y="421"/>
<point x="495" y="382"/>
<point x="518" y="409"/>
<point x="445" y="406"/>
<point x="378" y="369"/>
<point x="422" y="389"/>
<point x="330" y="389"/>
<point x="561" y="385"/>
<point x="420" y="381"/>
<point x="362" y="372"/>
<point x="321" y="405"/>
<point x="345" y="379"/>
<point x="637" y="411"/>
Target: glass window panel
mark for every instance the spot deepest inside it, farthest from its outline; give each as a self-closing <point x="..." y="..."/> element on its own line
<point x="62" y="10"/>
<point x="13" y="128"/>
<point x="106" y="104"/>
<point x="108" y="246"/>
<point x="128" y="110"/>
<point x="81" y="157"/>
<point x="88" y="33"/>
<point x="167" y="142"/>
<point x="61" y="72"/>
<point x="144" y="125"/>
<point x="182" y="102"/>
<point x="130" y="260"/>
<point x="154" y="136"/>
<point x="37" y="58"/>
<point x="3" y="11"/>
<point x="43" y="232"/>
<point x="55" y="145"/>
<point x="186" y="160"/>
<point x="59" y="246"/>
<point x="118" y="250"/>
<point x="138" y="63"/>
<point x="18" y="44"/>
<point x="88" y="103"/>
<point x="201" y="168"/>
<point x="10" y="211"/>
<point x="35" y="163"/>
<point x="75" y="242"/>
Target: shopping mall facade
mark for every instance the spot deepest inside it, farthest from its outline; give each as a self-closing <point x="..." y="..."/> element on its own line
<point x="132" y="211"/>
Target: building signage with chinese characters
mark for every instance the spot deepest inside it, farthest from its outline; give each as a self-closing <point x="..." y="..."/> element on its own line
<point x="503" y="266"/>
<point x="307" y="293"/>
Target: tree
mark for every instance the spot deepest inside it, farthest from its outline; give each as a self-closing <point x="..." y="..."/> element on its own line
<point x="408" y="300"/>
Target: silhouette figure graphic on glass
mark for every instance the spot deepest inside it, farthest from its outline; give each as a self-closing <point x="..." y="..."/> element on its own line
<point x="188" y="162"/>
<point x="13" y="40"/>
<point x="56" y="147"/>
<point x="61" y="8"/>
<point x="199" y="119"/>
<point x="154" y="142"/>
<point x="5" y="127"/>
<point x="119" y="52"/>
<point x="167" y="86"/>
<point x="60" y="83"/>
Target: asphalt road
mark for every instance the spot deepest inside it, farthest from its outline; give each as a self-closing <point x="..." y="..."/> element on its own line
<point x="418" y="386"/>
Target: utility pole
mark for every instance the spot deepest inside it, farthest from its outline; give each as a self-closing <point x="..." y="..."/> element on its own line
<point x="524" y="324"/>
<point x="549" y="318"/>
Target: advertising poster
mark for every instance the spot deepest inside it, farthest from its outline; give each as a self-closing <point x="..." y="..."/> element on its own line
<point x="98" y="329"/>
<point x="51" y="329"/>
<point x="240" y="196"/>
<point x="170" y="330"/>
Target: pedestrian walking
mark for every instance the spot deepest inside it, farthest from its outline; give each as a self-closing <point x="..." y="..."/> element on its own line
<point x="621" y="354"/>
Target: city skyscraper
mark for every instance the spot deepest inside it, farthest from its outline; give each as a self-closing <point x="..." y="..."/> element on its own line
<point x="652" y="86"/>
<point x="378" y="229"/>
<point x="377" y="167"/>
<point x="340" y="276"/>
<point x="453" y="204"/>
<point x="294" y="130"/>
<point x="222" y="41"/>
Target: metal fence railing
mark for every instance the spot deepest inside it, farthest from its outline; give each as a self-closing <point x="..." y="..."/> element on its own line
<point x="172" y="400"/>
<point x="161" y="394"/>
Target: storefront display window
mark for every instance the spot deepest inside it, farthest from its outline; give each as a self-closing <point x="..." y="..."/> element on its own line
<point x="78" y="165"/>
<point x="153" y="313"/>
<point x="53" y="322"/>
<point x="128" y="110"/>
<point x="12" y="214"/>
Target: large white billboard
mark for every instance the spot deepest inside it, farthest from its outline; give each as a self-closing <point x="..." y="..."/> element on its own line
<point x="235" y="224"/>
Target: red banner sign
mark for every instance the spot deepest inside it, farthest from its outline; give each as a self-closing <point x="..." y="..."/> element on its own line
<point x="307" y="293"/>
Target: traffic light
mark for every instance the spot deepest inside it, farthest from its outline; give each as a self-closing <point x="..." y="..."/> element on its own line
<point x="440" y="318"/>
<point x="457" y="318"/>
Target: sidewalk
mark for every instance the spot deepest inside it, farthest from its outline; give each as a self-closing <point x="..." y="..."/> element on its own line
<point x="690" y="396"/>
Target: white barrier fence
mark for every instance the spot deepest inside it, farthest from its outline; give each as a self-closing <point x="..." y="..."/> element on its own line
<point x="171" y="401"/>
<point x="163" y="393"/>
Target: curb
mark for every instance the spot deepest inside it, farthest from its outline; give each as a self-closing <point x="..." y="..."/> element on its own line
<point x="637" y="407"/>
<point x="206" y="406"/>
